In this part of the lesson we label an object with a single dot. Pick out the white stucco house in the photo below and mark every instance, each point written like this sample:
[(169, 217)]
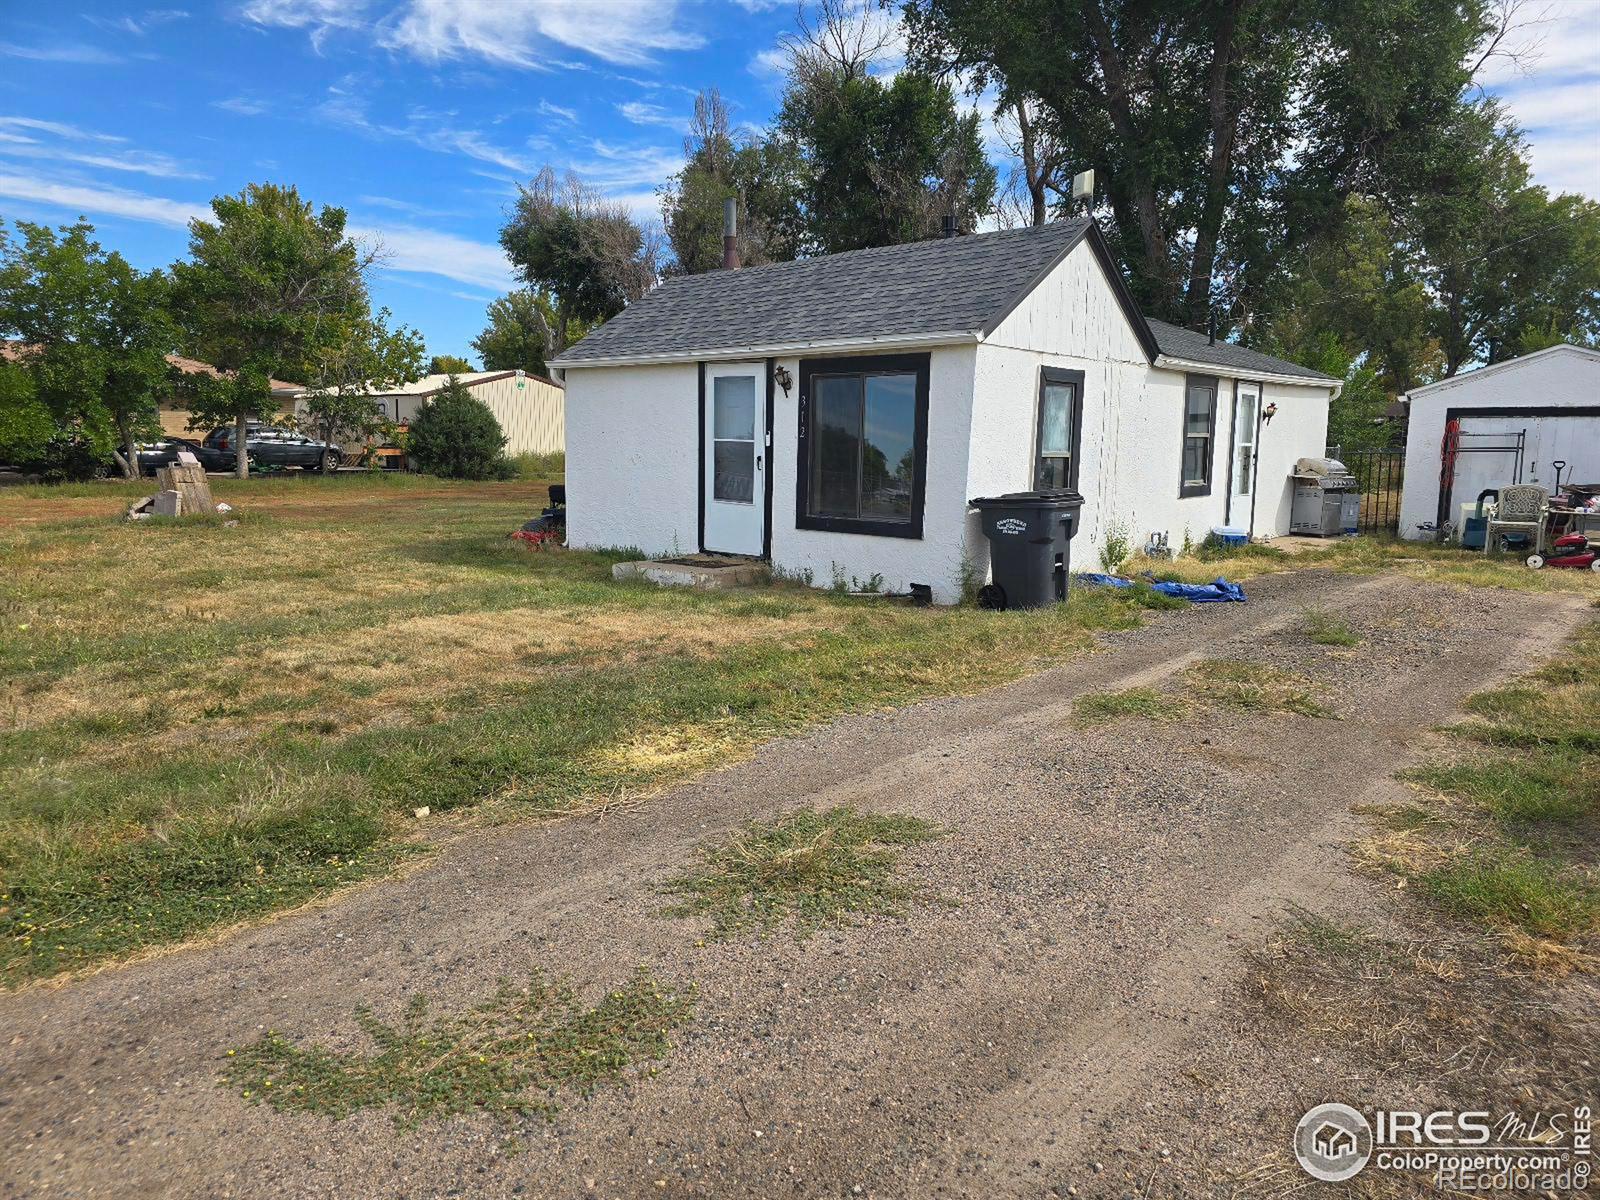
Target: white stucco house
[(835, 415), (1508, 423)]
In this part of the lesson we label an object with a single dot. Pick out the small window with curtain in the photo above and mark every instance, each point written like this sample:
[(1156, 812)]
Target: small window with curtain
[(1199, 428), (1060, 427), (863, 444)]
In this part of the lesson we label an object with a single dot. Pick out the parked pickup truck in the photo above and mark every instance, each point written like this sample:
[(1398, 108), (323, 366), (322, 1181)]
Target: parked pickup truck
[(270, 446)]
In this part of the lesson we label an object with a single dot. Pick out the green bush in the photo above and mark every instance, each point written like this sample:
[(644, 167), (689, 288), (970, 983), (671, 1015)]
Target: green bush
[(456, 437)]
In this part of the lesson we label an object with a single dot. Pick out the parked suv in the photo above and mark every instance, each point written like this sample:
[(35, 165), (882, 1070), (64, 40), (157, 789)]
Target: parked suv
[(270, 446)]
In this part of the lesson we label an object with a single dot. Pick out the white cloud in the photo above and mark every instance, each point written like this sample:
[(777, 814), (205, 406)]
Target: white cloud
[(431, 252), (59, 142), (320, 17), (406, 247), (141, 162), (618, 31), (642, 113), (1550, 84), (94, 200), (243, 105), (58, 128), (140, 25), (546, 109), (431, 130), (61, 52)]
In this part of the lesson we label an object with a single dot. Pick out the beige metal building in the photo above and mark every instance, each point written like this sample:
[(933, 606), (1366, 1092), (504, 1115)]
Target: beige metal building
[(530, 408)]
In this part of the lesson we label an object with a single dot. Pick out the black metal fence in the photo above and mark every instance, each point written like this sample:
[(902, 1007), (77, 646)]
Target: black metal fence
[(1381, 474)]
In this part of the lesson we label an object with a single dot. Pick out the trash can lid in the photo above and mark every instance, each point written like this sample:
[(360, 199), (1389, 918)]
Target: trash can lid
[(1043, 498)]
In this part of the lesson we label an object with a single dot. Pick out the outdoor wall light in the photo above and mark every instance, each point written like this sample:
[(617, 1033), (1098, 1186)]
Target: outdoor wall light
[(1268, 413), (781, 376)]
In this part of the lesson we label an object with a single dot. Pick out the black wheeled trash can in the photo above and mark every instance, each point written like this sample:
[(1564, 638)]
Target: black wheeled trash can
[(1028, 536)]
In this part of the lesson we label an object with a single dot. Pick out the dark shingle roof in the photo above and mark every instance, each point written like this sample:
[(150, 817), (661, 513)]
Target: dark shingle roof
[(1184, 343), (949, 285), (946, 286)]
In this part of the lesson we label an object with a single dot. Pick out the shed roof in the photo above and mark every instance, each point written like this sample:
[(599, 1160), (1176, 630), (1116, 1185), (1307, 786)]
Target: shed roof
[(945, 290), (429, 385)]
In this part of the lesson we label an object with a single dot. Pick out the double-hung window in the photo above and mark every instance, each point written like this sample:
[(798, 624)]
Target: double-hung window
[(1199, 430), (863, 444), (1060, 428)]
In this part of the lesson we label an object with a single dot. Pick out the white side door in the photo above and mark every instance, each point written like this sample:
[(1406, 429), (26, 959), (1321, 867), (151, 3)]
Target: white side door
[(734, 474), (1246, 414)]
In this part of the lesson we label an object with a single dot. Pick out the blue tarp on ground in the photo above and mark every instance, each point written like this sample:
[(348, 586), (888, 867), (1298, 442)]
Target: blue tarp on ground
[(1200, 593)]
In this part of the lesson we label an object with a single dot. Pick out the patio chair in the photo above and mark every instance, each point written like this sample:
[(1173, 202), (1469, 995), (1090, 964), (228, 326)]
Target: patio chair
[(1521, 513)]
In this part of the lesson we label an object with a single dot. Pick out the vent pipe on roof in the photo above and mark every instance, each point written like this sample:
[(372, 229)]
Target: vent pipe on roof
[(1212, 328), (730, 234), (949, 225)]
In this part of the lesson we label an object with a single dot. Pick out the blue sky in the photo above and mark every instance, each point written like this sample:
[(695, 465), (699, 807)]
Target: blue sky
[(420, 116)]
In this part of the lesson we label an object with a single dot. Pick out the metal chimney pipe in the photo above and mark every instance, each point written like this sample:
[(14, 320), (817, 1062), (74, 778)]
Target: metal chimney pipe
[(949, 225), (730, 234)]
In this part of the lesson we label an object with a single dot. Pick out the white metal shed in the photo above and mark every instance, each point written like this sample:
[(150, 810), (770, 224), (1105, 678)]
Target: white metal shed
[(1507, 423)]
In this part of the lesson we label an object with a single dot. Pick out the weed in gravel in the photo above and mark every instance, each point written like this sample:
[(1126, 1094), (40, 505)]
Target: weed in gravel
[(1099, 707), (819, 868), (1510, 888), (1255, 686), (1327, 629), (510, 1054)]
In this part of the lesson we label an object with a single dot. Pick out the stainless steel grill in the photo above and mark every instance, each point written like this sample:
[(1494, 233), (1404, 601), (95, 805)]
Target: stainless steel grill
[(1327, 498)]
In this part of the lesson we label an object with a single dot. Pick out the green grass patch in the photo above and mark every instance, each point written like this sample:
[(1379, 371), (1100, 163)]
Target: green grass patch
[(512, 1054), (816, 869), (1145, 596), (1327, 629), (1542, 786), (1255, 686), (1145, 703), (1508, 887)]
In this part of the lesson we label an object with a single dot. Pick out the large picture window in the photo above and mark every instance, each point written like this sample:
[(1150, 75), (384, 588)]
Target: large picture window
[(863, 444), (1199, 429), (1060, 428)]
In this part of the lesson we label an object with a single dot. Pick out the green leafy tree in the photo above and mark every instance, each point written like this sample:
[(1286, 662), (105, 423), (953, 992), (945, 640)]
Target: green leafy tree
[(586, 253), (449, 364), (455, 436), (761, 175), (1188, 112), (521, 333), (883, 163), (94, 334), (271, 284), (364, 359)]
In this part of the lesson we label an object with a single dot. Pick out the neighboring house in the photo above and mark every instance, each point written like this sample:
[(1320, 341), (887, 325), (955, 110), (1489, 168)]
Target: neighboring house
[(1507, 423), (175, 418), (835, 415), (528, 407)]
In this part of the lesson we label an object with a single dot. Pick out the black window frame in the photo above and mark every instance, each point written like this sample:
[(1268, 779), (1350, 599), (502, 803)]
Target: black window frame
[(1058, 376), (863, 365), (1185, 488)]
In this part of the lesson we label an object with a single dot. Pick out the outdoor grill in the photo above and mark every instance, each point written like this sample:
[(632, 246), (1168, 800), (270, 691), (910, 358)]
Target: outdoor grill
[(1327, 498)]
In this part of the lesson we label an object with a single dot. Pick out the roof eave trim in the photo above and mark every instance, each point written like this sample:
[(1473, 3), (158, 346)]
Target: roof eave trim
[(954, 337), (1174, 363), (1440, 385)]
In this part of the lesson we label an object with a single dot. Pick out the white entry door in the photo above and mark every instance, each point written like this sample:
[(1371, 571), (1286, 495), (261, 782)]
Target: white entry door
[(734, 474), (1246, 411)]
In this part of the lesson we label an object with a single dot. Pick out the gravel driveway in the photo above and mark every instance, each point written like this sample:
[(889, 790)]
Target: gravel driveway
[(1109, 881)]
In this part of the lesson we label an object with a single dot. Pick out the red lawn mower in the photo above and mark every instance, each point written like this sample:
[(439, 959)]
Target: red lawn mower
[(1573, 550)]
